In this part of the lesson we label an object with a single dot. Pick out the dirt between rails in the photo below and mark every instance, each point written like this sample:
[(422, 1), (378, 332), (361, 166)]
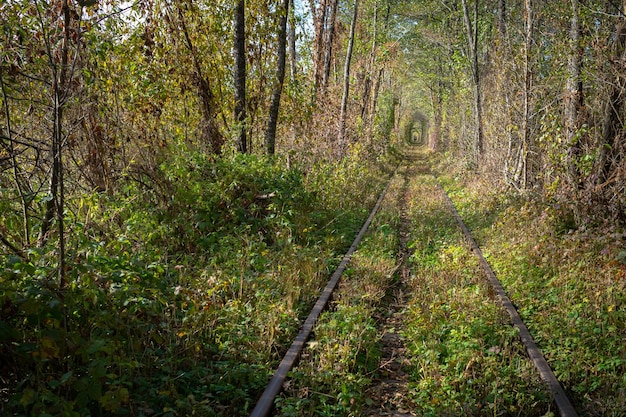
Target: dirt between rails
[(389, 391)]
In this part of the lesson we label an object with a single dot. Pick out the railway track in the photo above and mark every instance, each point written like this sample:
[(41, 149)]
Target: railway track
[(397, 380)]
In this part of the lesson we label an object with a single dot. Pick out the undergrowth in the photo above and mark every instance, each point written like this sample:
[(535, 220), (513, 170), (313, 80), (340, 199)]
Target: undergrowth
[(568, 283), (466, 358), (342, 357), (183, 289)]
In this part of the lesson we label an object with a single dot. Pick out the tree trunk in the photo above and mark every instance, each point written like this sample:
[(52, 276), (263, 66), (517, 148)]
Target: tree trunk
[(328, 44), (270, 133), (319, 22), (612, 129), (367, 89), (527, 142), (573, 97), (210, 130), (434, 136), (22, 186), (502, 19), (346, 83), (240, 75), (291, 39), (376, 90), (472, 42), (55, 206)]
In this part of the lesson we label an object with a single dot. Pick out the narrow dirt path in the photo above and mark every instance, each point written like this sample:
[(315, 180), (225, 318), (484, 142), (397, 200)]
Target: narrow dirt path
[(389, 391)]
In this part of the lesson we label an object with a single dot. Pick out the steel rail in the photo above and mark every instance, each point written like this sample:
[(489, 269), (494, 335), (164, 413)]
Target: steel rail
[(563, 404), (266, 401)]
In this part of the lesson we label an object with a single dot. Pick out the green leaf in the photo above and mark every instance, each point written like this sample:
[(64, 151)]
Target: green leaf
[(66, 377), (28, 397)]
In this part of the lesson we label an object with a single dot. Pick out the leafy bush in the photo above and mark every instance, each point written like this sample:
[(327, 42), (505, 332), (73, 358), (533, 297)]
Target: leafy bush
[(183, 288)]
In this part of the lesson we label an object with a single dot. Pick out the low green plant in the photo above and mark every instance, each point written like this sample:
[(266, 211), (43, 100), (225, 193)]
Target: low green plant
[(567, 283), (339, 362), (184, 287), (466, 359)]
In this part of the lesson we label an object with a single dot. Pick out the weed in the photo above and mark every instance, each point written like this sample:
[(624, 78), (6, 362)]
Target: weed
[(338, 364), (568, 285), (183, 290), (466, 358)]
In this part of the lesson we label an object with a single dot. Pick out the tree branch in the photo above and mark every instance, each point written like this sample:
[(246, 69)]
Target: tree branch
[(17, 251)]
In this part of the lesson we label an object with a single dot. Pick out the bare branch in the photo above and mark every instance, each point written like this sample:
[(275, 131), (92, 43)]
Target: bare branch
[(17, 251)]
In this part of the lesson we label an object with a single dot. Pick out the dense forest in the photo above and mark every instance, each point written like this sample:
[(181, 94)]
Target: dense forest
[(179, 177)]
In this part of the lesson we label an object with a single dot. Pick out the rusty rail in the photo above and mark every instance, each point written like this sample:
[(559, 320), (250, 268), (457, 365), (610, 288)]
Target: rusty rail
[(563, 404), (266, 402)]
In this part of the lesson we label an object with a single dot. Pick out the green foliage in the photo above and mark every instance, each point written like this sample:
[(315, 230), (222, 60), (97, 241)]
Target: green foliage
[(338, 363), (465, 356), (567, 284), (182, 289)]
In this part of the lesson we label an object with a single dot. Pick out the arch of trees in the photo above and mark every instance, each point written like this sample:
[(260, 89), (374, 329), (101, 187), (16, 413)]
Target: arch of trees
[(540, 88), (108, 109)]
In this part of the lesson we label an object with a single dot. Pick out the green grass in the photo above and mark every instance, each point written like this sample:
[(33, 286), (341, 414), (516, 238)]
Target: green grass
[(569, 287), (466, 358)]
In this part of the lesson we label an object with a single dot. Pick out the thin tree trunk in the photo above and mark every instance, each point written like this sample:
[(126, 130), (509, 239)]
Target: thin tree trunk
[(270, 133), (502, 19), (434, 136), (527, 142), (25, 188), (376, 90), (346, 82), (210, 130), (291, 39), (55, 206), (379, 77), (574, 96), (328, 47), (319, 23), (612, 129), (472, 41), (367, 93), (240, 75)]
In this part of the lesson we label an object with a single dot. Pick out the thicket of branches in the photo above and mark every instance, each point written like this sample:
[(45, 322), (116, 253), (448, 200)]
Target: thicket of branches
[(95, 91)]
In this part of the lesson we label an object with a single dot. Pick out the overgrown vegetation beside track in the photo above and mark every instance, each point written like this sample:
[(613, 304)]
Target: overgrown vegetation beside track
[(466, 358), (183, 294), (568, 283), (342, 357)]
